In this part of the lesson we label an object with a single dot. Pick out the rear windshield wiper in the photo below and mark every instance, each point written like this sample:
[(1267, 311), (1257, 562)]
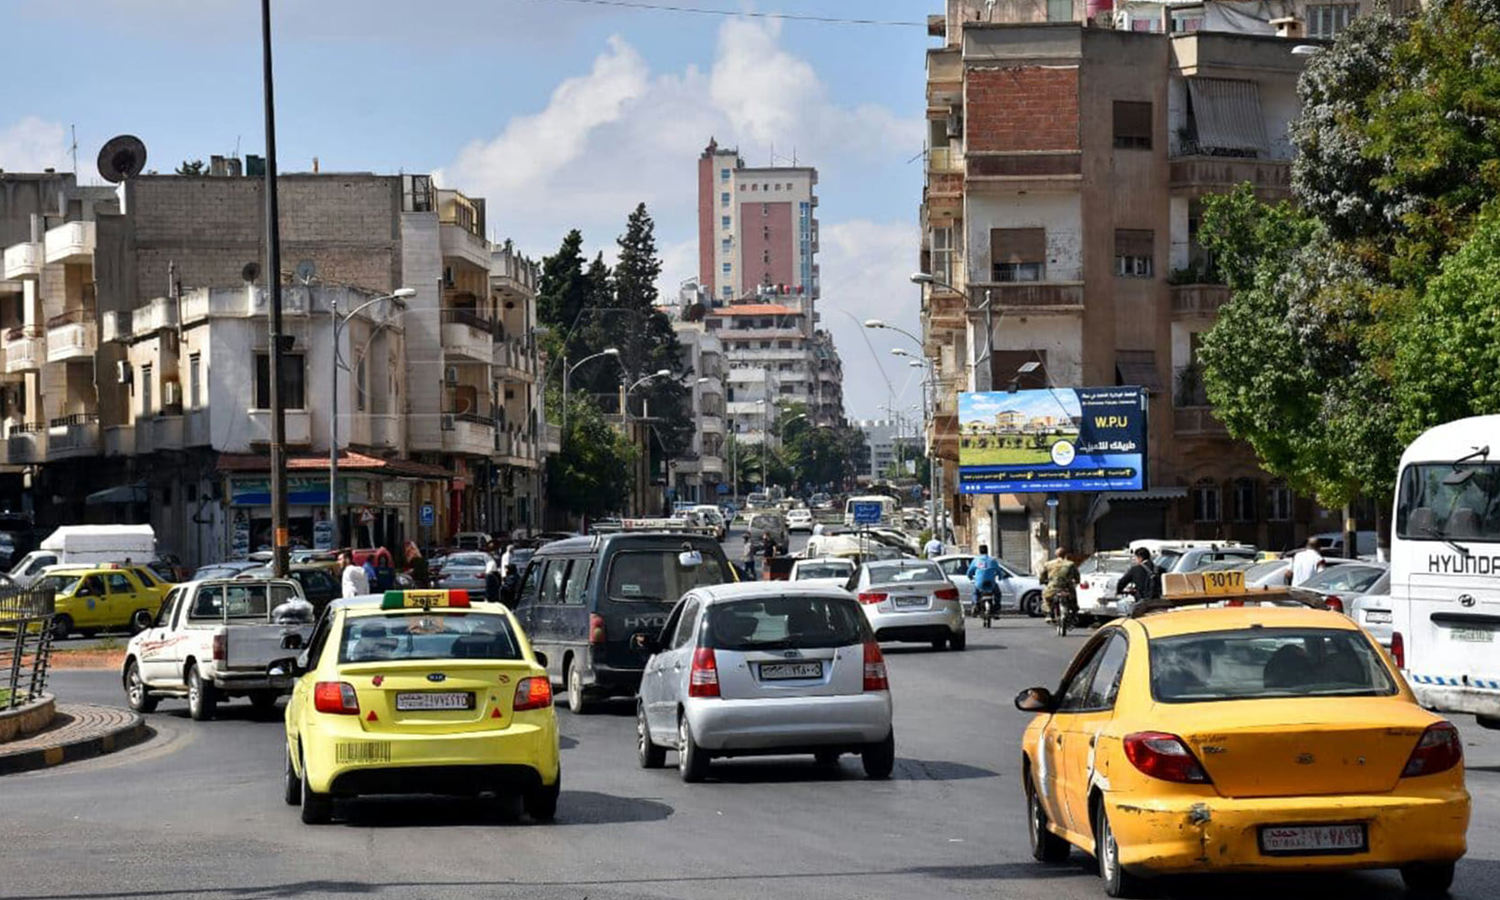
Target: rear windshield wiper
[(1433, 531)]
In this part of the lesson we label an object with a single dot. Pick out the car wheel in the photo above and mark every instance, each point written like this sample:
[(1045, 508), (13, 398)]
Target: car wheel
[(202, 697), (139, 698), (1430, 879), (880, 759), (959, 641), (1045, 846), (692, 762), (291, 782), (317, 808), (647, 754), (1117, 882), (940, 643), (1032, 604), (62, 626), (1489, 722), (264, 702), (579, 703), (541, 801), (140, 620)]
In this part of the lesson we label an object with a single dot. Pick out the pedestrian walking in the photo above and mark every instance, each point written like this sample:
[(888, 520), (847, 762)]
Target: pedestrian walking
[(352, 578), (492, 581), (416, 563), (510, 586), (933, 548), (1307, 563), (747, 557)]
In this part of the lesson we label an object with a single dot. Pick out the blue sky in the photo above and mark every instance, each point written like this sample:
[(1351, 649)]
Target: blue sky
[(560, 114)]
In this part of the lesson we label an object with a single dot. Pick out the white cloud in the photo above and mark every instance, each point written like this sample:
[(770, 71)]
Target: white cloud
[(32, 145)]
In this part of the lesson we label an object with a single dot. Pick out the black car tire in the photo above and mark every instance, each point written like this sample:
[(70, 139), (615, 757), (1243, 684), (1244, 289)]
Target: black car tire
[(649, 755), (62, 626), (1045, 846), (140, 620), (940, 643), (264, 702), (692, 762), (136, 694), (1429, 879), (541, 801), (879, 759), (291, 783), (317, 808), (203, 697), (579, 702), (959, 641)]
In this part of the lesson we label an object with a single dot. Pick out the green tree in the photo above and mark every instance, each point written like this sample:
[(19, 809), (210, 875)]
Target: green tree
[(591, 475), (190, 167)]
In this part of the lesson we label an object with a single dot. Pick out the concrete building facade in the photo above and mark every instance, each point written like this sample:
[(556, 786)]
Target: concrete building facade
[(697, 478)]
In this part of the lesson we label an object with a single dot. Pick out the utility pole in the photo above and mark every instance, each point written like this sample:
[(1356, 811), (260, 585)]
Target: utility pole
[(280, 540)]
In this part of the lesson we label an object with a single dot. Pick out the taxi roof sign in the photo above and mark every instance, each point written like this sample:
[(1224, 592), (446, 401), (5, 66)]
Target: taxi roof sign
[(424, 599)]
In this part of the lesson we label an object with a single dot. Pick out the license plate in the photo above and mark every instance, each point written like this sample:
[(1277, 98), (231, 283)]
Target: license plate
[(362, 752), (1309, 840), (908, 602), (781, 671), (429, 700), (1472, 635), (1378, 617)]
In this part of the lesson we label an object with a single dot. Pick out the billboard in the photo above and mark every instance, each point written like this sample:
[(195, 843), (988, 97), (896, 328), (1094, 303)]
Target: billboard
[(1055, 439)]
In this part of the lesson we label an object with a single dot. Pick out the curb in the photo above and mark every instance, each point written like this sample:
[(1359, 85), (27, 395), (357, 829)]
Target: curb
[(132, 732)]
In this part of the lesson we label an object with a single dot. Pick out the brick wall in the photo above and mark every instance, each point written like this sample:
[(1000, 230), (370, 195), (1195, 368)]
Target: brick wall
[(1021, 108)]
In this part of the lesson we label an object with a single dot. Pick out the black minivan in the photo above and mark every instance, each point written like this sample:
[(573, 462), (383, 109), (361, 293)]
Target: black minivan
[(590, 603)]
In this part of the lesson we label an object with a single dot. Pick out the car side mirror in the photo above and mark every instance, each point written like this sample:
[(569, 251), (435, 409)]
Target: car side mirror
[(690, 559), (541, 658), (292, 641), (1037, 699)]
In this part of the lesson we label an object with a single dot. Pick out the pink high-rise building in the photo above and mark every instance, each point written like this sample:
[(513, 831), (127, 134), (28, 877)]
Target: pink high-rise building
[(756, 227)]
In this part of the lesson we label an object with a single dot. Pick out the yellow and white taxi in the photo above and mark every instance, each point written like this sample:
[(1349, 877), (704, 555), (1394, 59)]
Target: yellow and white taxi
[(420, 692), (1254, 739)]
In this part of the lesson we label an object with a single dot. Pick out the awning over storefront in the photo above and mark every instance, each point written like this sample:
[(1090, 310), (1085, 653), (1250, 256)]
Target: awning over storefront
[(1227, 113), (1138, 367), (125, 493)]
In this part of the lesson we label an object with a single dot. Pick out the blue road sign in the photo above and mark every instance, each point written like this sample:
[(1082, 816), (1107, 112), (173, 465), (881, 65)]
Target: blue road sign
[(427, 516), (867, 513)]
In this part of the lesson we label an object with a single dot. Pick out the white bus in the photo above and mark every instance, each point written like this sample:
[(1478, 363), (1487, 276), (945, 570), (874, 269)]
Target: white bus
[(887, 508), (1445, 568)]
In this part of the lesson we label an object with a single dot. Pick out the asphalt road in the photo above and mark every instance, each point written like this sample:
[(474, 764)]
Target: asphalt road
[(197, 812)]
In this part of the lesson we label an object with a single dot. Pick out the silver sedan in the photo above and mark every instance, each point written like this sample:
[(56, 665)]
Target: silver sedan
[(465, 571), (910, 600), (760, 669)]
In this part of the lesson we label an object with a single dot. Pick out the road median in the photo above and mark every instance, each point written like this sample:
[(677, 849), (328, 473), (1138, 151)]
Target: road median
[(78, 731)]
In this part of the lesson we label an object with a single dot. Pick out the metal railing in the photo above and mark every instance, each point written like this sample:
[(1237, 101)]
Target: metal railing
[(25, 644)]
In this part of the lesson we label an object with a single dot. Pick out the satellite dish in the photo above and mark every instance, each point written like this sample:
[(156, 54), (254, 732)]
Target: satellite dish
[(306, 269), (694, 312), (122, 158), (250, 272)]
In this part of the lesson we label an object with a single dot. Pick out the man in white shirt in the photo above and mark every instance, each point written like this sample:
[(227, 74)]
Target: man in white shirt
[(1307, 563), (933, 548), (354, 581)]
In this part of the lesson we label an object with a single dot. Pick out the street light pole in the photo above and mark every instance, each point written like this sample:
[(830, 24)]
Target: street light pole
[(568, 374), (280, 539)]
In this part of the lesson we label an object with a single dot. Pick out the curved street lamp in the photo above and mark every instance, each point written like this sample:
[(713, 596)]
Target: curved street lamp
[(568, 374)]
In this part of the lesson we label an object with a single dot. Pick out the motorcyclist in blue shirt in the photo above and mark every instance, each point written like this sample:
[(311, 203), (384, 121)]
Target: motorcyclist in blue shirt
[(984, 571)]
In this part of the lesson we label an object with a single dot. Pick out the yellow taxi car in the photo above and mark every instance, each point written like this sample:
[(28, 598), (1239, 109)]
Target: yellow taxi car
[(420, 692), (95, 598), (1253, 739)]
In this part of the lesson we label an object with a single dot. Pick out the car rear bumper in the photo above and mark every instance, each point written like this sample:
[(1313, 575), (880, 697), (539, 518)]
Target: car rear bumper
[(786, 723), (612, 679), (918, 626), (1197, 834), (347, 760)]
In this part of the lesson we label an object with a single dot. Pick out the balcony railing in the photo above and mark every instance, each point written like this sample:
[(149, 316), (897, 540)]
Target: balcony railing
[(1272, 178), (72, 335), (23, 261), (73, 435), (1188, 388), (298, 426), (25, 349), (120, 440), (154, 316), (26, 443), (1023, 295), (70, 242), (1198, 300)]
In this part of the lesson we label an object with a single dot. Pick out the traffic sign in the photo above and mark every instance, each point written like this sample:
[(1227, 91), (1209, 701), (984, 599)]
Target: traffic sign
[(867, 512), (427, 516)]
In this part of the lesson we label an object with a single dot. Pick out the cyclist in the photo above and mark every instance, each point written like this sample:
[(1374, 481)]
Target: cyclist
[(984, 571), (1061, 575)]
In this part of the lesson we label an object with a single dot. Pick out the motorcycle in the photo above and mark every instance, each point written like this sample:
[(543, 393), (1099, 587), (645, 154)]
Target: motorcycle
[(987, 605), (1069, 613)]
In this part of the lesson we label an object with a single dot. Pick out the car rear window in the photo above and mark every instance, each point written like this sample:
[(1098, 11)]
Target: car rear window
[(467, 560), (640, 576), (1354, 579), (770, 523), (1109, 564), (1258, 663), (784, 623), (823, 570), (906, 574), (427, 635)]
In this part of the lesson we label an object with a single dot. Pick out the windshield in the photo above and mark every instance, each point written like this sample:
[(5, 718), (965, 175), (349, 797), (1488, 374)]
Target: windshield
[(1266, 662), (659, 576), (824, 570), (765, 523), (1441, 500), (905, 574), (784, 623), (427, 636), (1355, 579)]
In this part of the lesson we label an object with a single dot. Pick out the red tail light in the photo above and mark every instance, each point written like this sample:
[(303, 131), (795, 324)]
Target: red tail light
[(1164, 756), (1334, 602), (221, 647), (703, 680), (1438, 751), (596, 628), (947, 593), (336, 697), (533, 693), (1083, 585), (872, 597), (1398, 649), (875, 679)]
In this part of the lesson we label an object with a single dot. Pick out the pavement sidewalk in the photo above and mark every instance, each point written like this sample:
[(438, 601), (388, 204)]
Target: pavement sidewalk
[(78, 731)]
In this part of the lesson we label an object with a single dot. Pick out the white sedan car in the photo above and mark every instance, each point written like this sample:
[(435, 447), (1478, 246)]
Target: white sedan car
[(1018, 592), (799, 520), (910, 600), (822, 571)]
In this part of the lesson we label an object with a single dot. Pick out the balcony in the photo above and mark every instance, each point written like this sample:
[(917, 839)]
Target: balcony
[(1196, 420), (385, 431), (468, 433), (1033, 171), (457, 241), (514, 362), (710, 425), (1192, 301), (26, 444), (946, 310), (153, 317), (25, 349), (1194, 176), (72, 436), (197, 432), (120, 440), (1031, 296), (298, 427), (70, 243), (947, 160), (945, 79), (115, 326), (72, 335), (512, 275), (23, 261), (165, 432), (515, 448), (468, 335)]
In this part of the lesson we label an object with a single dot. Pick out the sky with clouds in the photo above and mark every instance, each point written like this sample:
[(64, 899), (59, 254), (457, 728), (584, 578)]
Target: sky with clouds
[(561, 114)]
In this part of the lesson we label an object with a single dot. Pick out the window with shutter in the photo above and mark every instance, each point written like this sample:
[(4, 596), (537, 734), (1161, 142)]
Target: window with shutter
[(1134, 252), (1018, 254), (1132, 124)]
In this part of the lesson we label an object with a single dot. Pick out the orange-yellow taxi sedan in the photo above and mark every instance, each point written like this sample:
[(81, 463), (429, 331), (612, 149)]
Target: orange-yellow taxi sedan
[(1256, 739), (420, 692)]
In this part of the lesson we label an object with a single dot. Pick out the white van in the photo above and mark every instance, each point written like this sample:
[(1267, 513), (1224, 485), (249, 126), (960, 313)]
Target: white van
[(887, 508), (1445, 568)]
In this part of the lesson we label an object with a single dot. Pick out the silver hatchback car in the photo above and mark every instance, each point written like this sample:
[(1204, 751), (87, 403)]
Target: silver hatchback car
[(765, 669), (910, 600)]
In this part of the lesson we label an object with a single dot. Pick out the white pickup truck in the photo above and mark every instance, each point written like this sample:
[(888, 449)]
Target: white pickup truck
[(216, 639)]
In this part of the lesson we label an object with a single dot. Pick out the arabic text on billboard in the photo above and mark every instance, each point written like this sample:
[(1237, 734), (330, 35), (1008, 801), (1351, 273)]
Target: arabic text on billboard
[(1061, 439)]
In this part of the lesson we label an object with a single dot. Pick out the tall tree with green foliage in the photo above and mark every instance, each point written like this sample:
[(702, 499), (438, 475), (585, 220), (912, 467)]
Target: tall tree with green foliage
[(591, 474)]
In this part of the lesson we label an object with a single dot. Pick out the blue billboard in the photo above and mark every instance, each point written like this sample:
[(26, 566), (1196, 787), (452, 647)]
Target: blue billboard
[(1054, 439)]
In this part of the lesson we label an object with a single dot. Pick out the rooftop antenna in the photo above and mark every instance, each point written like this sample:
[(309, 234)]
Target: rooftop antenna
[(74, 149)]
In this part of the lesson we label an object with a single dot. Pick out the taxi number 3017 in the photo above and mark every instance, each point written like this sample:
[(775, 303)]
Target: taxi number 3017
[(1223, 582)]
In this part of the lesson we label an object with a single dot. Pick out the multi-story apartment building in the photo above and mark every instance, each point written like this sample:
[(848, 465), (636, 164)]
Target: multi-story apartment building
[(780, 337), (1065, 174), (138, 354), (697, 477), (757, 227)]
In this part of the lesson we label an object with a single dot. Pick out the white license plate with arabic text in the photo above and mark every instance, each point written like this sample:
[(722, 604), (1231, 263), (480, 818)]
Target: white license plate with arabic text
[(780, 671), (1313, 839), (1472, 635), (428, 700), (908, 602)]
